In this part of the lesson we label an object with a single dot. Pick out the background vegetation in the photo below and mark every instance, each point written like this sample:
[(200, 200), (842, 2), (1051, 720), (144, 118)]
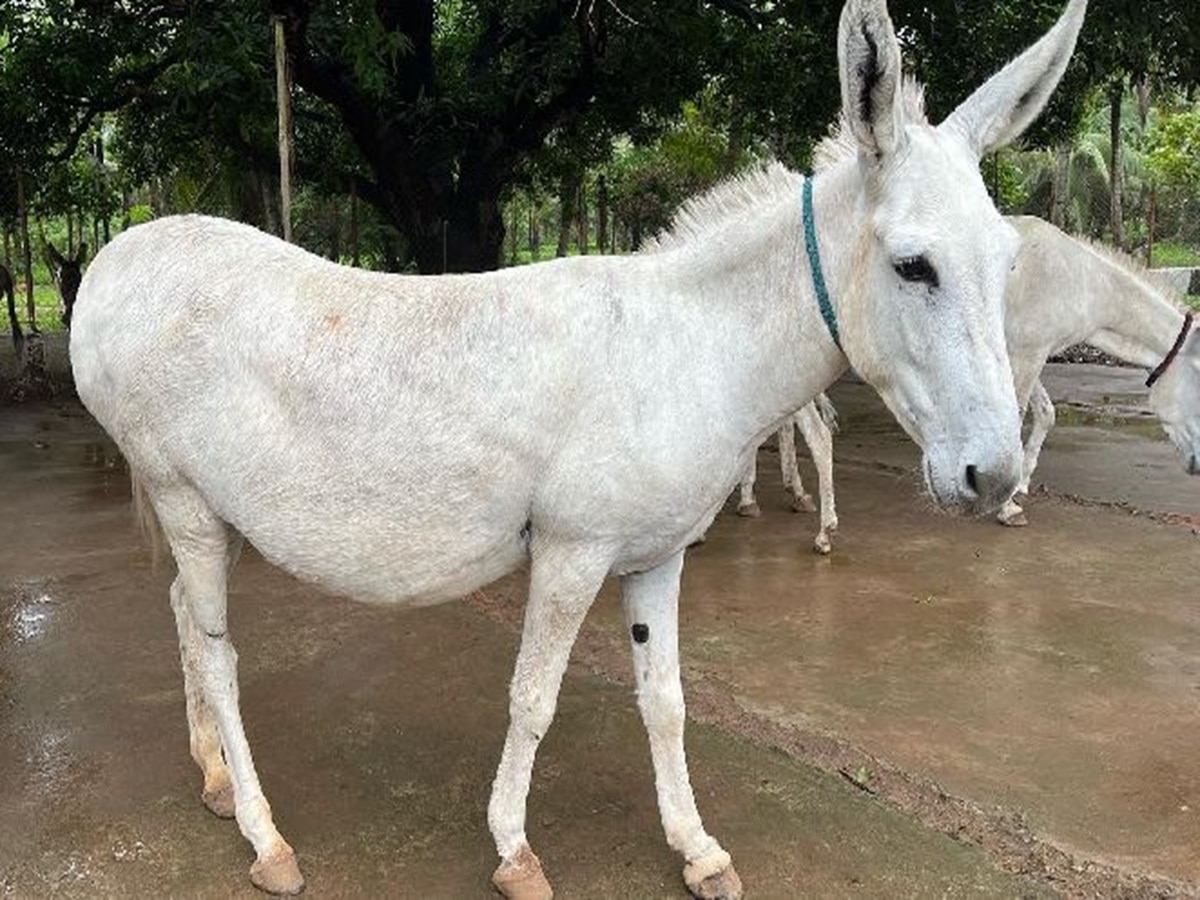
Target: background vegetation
[(449, 135)]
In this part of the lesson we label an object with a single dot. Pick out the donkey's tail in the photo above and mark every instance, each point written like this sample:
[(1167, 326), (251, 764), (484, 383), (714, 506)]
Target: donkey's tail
[(828, 413), (147, 518)]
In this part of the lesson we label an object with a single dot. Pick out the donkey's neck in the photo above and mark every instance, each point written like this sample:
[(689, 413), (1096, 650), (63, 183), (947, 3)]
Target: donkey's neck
[(1133, 319), (780, 353)]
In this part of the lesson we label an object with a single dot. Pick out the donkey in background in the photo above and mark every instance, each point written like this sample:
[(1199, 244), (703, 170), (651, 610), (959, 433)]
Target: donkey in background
[(1063, 291), (14, 323), (68, 274)]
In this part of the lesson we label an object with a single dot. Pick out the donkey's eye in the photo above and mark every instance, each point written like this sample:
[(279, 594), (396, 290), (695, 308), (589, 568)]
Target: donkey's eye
[(917, 269)]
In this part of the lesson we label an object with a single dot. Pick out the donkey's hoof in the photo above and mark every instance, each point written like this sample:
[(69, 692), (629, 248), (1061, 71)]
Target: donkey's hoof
[(822, 545), (522, 878), (802, 503), (220, 802), (723, 885), (749, 511), (1013, 519), (278, 874)]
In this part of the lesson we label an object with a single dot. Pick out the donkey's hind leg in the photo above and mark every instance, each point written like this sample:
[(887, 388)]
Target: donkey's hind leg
[(204, 739), (202, 545), (747, 505), (802, 501)]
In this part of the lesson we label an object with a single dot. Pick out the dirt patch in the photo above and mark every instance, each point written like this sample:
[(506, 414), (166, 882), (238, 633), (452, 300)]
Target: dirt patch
[(1005, 837)]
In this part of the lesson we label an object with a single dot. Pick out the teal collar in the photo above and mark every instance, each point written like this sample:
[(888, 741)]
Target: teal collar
[(814, 264)]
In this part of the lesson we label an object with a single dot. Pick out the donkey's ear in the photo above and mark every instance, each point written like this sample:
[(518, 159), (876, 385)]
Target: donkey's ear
[(81, 254), (1011, 99), (55, 256), (869, 63)]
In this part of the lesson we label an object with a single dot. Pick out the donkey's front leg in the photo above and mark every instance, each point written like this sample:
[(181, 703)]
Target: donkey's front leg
[(1041, 410), (651, 611), (819, 438), (562, 585), (1042, 415)]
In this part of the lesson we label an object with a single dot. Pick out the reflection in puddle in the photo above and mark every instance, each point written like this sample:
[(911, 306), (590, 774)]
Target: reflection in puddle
[(31, 616), (30, 622), (103, 456)]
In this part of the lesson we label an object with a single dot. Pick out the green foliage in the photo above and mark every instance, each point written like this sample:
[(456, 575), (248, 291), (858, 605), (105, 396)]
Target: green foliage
[(435, 112), (139, 214), (1173, 149), (1169, 254), (695, 152), (1005, 181)]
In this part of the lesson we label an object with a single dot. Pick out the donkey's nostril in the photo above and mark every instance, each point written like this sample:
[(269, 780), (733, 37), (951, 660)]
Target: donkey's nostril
[(973, 480)]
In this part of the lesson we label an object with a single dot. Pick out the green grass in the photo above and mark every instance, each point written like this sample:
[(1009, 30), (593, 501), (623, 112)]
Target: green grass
[(1193, 301), (47, 304), (1168, 254)]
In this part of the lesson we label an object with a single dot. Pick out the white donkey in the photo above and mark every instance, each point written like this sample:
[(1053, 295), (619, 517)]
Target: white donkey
[(1063, 291), (405, 439)]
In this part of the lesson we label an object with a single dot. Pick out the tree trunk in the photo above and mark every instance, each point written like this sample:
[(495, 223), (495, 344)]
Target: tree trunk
[(1151, 224), (1060, 186), (1142, 89), (26, 252), (535, 232), (567, 196), (269, 208), (471, 239), (283, 99), (602, 213), (104, 212), (355, 260), (581, 220), (335, 229), (7, 249), (512, 237), (1116, 178)]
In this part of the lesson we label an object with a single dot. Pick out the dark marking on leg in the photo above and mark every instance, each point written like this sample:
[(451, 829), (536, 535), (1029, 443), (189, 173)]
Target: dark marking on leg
[(526, 530), (216, 635), (641, 633)]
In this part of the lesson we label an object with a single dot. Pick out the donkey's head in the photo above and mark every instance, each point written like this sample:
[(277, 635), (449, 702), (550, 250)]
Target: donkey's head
[(69, 275), (924, 325), (1175, 398)]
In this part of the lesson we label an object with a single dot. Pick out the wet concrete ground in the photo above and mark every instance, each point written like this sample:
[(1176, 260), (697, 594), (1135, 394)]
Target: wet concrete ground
[(959, 667)]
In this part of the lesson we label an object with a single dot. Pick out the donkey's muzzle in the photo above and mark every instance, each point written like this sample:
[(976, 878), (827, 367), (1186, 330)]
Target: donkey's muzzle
[(985, 487)]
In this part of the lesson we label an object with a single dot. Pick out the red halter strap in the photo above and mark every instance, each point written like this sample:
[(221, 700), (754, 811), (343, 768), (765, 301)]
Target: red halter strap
[(1170, 357)]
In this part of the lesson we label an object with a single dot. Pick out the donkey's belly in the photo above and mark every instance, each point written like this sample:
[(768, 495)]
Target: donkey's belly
[(389, 509), (379, 551)]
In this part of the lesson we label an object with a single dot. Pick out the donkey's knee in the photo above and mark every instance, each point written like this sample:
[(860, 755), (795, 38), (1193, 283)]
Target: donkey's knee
[(662, 707)]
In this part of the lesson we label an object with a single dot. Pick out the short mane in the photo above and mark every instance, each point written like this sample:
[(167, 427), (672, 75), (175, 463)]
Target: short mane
[(1134, 267), (728, 201)]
